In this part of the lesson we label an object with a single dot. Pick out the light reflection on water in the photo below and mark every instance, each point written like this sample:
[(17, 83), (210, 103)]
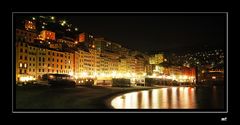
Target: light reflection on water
[(167, 98)]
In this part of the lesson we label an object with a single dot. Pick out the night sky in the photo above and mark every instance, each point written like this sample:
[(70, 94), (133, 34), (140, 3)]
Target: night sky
[(157, 32)]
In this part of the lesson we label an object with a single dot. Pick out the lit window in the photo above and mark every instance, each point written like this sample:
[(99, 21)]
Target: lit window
[(25, 65), (20, 65)]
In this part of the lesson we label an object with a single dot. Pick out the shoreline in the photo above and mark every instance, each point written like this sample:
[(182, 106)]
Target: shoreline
[(80, 98), (108, 99)]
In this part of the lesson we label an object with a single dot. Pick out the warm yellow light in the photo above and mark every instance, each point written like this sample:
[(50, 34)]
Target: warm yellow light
[(26, 78), (51, 76), (52, 17), (154, 74), (71, 73), (213, 77), (20, 65)]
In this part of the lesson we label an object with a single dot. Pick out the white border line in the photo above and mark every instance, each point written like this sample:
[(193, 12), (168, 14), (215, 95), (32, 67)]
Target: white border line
[(227, 60), (118, 110)]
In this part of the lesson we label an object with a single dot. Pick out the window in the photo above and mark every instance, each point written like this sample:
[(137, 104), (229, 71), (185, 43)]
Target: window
[(20, 71), (39, 64), (39, 70), (48, 53), (48, 70), (53, 70), (42, 70), (68, 67), (53, 53), (61, 66), (57, 65), (20, 65), (61, 60), (30, 48), (57, 54), (29, 69), (33, 59), (52, 65), (52, 59), (20, 57), (30, 58), (48, 59), (30, 64), (25, 45), (48, 65), (25, 57), (25, 71), (57, 71), (39, 58), (25, 50), (33, 70), (21, 50), (43, 59), (57, 60)]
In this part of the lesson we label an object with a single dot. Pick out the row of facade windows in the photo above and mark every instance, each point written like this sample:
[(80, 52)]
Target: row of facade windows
[(24, 33), (24, 65), (41, 70)]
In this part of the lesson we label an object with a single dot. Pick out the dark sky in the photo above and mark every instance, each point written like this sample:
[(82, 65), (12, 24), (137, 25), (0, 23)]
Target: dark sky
[(151, 32)]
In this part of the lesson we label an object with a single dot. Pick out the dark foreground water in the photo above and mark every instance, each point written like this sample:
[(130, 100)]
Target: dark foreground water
[(173, 98)]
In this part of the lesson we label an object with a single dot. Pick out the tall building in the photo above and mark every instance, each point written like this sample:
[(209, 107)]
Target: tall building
[(33, 62)]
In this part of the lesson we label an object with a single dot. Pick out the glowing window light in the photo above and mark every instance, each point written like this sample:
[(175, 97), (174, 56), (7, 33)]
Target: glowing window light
[(25, 65), (20, 65), (213, 77)]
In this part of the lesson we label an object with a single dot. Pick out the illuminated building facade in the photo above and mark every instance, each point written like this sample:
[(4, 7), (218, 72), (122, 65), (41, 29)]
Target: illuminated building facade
[(32, 61), (47, 35), (68, 41), (25, 36), (30, 25), (156, 59)]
